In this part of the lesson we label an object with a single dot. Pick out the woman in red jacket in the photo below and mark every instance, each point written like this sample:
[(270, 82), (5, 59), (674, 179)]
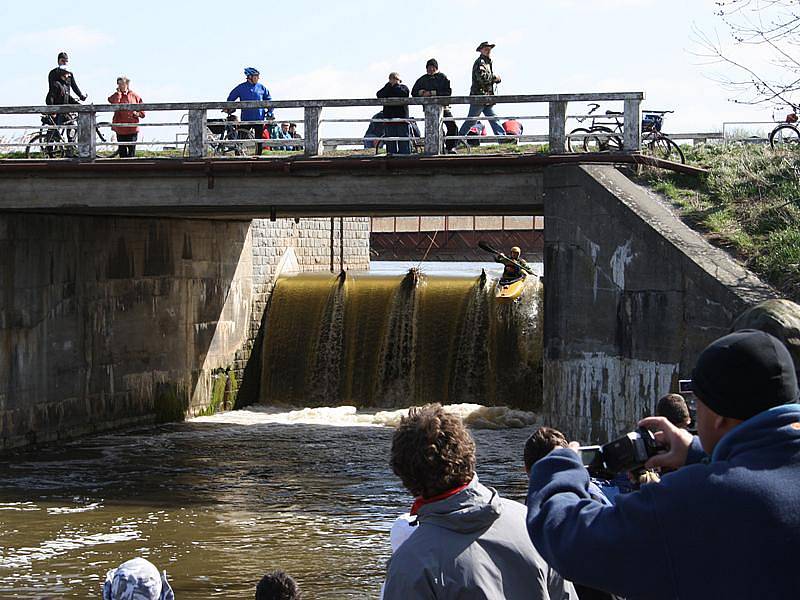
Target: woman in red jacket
[(124, 95)]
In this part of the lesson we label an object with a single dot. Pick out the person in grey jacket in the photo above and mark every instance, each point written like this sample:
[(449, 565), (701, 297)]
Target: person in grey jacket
[(470, 543)]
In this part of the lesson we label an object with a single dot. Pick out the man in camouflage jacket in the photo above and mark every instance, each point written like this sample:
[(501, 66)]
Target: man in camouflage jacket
[(483, 80)]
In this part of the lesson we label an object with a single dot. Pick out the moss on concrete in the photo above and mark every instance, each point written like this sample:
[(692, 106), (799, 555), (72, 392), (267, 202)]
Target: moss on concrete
[(170, 404), (218, 396)]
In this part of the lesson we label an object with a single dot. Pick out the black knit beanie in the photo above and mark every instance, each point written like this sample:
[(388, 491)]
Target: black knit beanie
[(745, 373)]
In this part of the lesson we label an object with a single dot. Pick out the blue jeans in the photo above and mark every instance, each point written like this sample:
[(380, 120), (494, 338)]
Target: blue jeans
[(474, 111)]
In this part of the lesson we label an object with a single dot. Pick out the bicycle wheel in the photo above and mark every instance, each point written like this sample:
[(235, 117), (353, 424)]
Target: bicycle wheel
[(660, 146), (784, 136), (576, 144), (248, 146), (604, 143), (37, 147)]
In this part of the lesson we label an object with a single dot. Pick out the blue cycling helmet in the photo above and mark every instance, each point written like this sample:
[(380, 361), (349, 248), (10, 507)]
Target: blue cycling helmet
[(249, 71)]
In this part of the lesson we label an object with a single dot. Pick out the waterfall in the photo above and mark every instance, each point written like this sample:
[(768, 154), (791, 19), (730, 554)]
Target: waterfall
[(378, 341)]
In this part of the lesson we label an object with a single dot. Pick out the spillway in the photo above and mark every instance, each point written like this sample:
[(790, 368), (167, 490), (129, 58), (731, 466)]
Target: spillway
[(386, 341)]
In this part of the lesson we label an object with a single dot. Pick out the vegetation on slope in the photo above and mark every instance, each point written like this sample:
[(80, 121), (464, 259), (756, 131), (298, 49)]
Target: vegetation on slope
[(749, 204)]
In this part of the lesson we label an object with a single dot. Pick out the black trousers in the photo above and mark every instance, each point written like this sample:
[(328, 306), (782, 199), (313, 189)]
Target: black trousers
[(258, 131), (127, 151), (449, 128)]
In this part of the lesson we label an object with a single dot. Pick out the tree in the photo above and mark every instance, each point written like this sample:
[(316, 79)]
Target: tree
[(759, 49)]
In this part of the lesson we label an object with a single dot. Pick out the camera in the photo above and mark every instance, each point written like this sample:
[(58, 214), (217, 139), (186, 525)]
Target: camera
[(627, 453)]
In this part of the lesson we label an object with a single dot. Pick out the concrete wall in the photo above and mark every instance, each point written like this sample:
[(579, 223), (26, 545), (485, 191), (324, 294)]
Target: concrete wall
[(110, 321), (632, 295)]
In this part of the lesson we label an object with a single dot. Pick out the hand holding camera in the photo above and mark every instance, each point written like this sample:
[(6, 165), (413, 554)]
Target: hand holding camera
[(674, 440)]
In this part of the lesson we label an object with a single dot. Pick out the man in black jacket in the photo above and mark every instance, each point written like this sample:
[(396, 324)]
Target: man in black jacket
[(55, 75), (434, 83), (483, 81), (394, 88)]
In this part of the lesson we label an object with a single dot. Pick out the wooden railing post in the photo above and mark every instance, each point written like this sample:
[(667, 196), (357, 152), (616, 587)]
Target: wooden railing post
[(311, 115), (197, 133), (87, 145), (433, 129), (558, 123), (632, 126)]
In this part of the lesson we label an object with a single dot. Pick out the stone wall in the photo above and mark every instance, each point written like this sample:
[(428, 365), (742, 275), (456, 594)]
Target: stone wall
[(106, 322), (632, 295), (285, 246)]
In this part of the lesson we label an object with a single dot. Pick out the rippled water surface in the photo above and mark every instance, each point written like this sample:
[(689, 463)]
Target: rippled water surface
[(217, 502)]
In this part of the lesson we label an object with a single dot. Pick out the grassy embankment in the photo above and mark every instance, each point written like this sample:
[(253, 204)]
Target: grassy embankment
[(749, 204)]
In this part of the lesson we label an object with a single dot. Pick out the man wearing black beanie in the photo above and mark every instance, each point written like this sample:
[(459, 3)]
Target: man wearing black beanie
[(725, 524)]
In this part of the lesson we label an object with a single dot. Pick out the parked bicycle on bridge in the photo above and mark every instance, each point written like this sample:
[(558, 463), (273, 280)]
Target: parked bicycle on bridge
[(786, 133), (58, 140), (604, 134)]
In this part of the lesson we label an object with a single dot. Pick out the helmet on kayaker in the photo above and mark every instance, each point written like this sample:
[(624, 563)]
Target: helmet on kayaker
[(516, 249), (250, 71)]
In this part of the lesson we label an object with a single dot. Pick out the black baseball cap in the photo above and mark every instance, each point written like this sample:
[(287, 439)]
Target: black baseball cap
[(63, 55), (484, 45), (745, 373)]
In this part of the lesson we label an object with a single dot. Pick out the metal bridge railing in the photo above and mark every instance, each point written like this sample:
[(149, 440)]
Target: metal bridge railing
[(433, 138)]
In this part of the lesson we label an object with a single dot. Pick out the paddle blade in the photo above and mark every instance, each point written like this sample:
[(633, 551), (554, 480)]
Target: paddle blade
[(484, 246)]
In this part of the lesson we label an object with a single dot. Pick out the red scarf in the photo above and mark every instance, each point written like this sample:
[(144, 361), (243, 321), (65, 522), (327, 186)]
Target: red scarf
[(419, 501)]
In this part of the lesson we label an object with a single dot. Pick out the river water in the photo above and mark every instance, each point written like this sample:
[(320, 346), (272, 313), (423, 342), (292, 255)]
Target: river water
[(218, 501)]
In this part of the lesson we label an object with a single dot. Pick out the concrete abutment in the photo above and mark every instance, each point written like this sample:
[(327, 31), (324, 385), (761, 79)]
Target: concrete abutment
[(112, 321)]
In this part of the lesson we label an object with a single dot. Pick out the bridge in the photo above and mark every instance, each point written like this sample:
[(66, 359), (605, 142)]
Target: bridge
[(129, 285)]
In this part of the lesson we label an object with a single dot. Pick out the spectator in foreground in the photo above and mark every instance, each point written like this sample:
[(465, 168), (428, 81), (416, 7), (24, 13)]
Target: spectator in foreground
[(277, 586), (483, 82), (674, 409), (543, 441), (434, 83), (469, 542), (55, 74), (728, 528), (137, 579), (124, 95), (248, 90), (394, 88)]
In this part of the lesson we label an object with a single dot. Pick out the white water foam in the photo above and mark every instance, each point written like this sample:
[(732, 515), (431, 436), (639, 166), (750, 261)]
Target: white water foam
[(473, 415)]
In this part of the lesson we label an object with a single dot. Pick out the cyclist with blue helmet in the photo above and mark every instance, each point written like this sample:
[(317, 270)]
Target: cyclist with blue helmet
[(252, 90)]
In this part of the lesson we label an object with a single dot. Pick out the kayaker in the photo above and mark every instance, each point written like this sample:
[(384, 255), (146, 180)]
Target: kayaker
[(516, 266)]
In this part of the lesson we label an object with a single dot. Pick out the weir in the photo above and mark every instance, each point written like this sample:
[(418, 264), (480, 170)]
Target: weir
[(393, 341)]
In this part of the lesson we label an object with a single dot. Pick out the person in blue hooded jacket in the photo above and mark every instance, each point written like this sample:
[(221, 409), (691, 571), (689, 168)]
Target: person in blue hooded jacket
[(248, 90), (725, 524)]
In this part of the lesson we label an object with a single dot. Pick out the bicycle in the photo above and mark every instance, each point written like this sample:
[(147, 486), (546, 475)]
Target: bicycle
[(654, 142), (786, 134), (58, 140)]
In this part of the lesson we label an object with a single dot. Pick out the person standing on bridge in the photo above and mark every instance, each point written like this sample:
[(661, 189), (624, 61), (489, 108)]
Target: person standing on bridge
[(434, 83), (394, 88), (126, 135), (250, 90), (54, 76), (483, 82)]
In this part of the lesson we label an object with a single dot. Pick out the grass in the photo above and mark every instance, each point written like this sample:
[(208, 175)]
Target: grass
[(749, 204)]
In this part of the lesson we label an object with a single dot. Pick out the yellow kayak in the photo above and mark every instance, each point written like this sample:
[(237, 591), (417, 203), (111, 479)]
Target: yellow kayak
[(509, 291)]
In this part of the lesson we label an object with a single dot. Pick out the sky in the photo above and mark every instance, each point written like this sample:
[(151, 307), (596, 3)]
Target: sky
[(185, 51)]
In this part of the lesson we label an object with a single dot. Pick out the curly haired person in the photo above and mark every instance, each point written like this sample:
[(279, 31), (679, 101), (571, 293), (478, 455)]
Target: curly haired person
[(469, 542)]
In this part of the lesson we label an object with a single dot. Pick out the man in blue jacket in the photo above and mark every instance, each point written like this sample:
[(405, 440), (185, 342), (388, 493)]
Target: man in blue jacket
[(251, 89), (725, 524)]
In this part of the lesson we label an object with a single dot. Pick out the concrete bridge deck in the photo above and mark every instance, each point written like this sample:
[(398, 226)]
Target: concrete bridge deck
[(253, 188)]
